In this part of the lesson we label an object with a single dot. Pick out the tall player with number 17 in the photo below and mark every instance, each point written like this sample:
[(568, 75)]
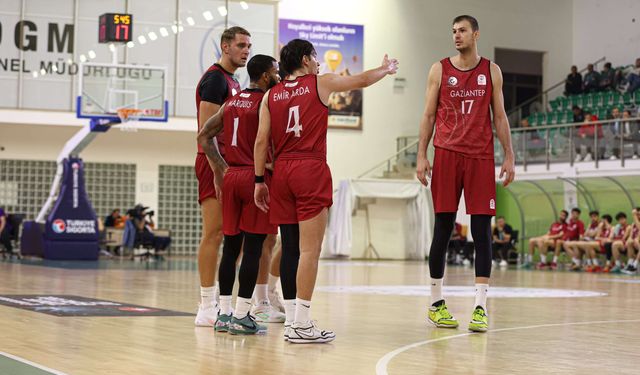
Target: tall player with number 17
[(294, 116)]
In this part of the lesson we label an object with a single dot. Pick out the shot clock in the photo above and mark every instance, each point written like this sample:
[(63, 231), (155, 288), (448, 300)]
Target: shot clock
[(115, 27)]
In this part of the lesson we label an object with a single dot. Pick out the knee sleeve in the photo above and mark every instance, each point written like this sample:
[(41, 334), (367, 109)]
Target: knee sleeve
[(481, 231), (227, 271), (441, 235), (250, 263), (289, 259)]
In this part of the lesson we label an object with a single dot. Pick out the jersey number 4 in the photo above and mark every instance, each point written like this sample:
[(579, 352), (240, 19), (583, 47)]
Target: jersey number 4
[(468, 106), (294, 118)]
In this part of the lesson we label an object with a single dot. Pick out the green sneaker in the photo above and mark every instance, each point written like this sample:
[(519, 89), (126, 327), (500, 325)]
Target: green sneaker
[(439, 316), (616, 269), (245, 326), (222, 323), (479, 320), (526, 266)]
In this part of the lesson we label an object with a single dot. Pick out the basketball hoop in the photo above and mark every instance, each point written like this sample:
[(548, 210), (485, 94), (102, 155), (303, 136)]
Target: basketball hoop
[(128, 116)]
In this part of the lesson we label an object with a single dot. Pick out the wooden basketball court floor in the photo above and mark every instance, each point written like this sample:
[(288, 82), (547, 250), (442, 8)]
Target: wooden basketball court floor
[(541, 323)]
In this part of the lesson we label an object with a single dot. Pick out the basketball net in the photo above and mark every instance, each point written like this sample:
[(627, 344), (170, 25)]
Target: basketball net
[(128, 118)]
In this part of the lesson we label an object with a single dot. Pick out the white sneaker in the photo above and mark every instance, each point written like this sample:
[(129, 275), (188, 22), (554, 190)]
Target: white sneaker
[(308, 333), (276, 301), (503, 263), (613, 157), (578, 158), (265, 313), (207, 316), (634, 157), (588, 157), (287, 330), (466, 262)]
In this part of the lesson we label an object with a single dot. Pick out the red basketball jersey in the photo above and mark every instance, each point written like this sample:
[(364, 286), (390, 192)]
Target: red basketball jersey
[(556, 228), (241, 126), (463, 118), (298, 119), (233, 87)]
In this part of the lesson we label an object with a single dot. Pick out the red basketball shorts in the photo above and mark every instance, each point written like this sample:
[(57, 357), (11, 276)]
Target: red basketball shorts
[(300, 190), (239, 210), (204, 173), (452, 173)]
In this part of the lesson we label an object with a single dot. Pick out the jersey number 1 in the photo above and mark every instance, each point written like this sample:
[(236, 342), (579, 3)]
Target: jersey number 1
[(468, 108), (234, 140), (294, 114)]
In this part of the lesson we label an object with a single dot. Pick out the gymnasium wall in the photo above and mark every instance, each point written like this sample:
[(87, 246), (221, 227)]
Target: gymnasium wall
[(606, 28)]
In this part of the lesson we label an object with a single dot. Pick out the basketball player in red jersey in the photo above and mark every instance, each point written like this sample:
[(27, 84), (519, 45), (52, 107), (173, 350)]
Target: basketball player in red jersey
[(242, 220), (294, 116), (462, 92), (216, 85)]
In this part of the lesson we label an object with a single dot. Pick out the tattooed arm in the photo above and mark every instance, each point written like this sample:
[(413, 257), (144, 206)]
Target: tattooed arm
[(207, 140)]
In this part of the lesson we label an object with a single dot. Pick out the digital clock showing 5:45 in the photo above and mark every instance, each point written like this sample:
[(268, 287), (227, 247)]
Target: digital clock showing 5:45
[(115, 27)]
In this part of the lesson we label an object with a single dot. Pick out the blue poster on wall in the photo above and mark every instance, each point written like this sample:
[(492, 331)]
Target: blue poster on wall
[(340, 50)]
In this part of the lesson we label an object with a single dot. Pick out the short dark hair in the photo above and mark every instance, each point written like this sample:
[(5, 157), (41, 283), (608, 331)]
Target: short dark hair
[(258, 65), (565, 212), (621, 215), (291, 54), (607, 218), (230, 34), (576, 210), (594, 212), (466, 17), (607, 65), (500, 217)]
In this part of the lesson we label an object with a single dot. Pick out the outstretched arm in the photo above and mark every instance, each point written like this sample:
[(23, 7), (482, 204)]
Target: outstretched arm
[(423, 168), (502, 126), (328, 83)]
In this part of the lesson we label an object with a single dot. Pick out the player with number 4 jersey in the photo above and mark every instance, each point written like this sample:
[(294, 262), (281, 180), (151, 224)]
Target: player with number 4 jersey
[(294, 116)]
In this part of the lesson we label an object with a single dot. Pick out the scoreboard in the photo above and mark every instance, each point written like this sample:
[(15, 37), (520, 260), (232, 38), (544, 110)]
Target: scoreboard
[(115, 27)]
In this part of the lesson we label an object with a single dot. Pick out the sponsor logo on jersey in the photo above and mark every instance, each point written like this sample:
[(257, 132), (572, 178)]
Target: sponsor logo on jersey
[(245, 95), (233, 92), (482, 80), (452, 81), (492, 204), (291, 84), (58, 226)]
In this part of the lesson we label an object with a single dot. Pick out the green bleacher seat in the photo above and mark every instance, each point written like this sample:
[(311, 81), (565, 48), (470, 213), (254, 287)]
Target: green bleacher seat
[(602, 113), (626, 98), (607, 98), (589, 100), (552, 117), (555, 104), (597, 99), (564, 103)]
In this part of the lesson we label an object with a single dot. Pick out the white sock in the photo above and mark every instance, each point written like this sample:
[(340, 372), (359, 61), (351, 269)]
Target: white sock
[(481, 295), (243, 305), (261, 293), (529, 258), (629, 261), (290, 310), (595, 262), (216, 292), (303, 311), (543, 258), (273, 282), (635, 263), (588, 261), (225, 305), (207, 296), (576, 261), (436, 290), (618, 263), (555, 259)]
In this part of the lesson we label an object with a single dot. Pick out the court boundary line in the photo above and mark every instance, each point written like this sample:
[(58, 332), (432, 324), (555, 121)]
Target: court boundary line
[(383, 362), (32, 364)]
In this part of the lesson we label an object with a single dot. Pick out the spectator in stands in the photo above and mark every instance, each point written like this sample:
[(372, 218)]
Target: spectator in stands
[(633, 79), (502, 240), (607, 78), (5, 230), (114, 220), (578, 114), (591, 81), (573, 84), (456, 244), (586, 135), (542, 243), (630, 131), (633, 243), (611, 132), (618, 237), (585, 246)]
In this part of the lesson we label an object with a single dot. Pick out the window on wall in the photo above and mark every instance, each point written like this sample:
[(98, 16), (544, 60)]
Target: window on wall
[(181, 35), (178, 208), (522, 76), (25, 185)]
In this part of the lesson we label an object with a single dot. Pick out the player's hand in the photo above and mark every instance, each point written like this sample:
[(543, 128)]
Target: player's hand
[(389, 65), (508, 169), (269, 166), (218, 181), (423, 170), (261, 197)]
